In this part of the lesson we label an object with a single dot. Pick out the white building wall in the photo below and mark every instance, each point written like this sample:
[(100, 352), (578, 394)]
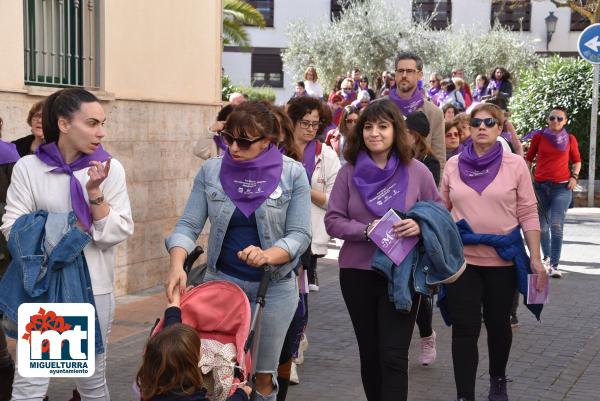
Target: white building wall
[(465, 13)]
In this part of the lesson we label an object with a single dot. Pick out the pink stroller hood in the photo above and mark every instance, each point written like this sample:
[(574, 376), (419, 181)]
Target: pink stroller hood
[(218, 310)]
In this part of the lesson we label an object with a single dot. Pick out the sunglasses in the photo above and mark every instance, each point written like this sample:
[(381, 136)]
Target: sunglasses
[(433, 80), (242, 143), (488, 122), (557, 118), (452, 135)]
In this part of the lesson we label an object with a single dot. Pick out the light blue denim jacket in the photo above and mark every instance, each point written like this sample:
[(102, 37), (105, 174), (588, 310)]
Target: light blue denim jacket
[(283, 222)]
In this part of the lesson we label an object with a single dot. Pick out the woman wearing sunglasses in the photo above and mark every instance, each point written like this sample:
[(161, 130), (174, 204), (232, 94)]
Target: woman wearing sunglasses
[(257, 201), (554, 149), (337, 138), (491, 191)]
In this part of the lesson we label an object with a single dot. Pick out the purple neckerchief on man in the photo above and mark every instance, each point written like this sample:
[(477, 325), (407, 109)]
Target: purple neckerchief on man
[(50, 155), (560, 140), (249, 183), (476, 171), (409, 105), (381, 189)]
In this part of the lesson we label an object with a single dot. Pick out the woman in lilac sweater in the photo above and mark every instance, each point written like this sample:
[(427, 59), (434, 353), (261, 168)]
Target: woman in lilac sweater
[(380, 174)]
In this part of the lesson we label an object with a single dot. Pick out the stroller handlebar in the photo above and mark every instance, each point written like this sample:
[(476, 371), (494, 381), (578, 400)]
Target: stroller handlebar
[(264, 284), (191, 258)]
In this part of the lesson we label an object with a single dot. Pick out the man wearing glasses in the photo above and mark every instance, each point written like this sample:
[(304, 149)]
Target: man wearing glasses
[(408, 98)]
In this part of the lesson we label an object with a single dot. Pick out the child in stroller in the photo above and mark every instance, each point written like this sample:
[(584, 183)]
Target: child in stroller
[(169, 370)]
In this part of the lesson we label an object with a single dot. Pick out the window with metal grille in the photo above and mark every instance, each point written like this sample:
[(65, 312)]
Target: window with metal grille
[(512, 14), (266, 8), (62, 43), (336, 10), (267, 67), (438, 12), (578, 21)]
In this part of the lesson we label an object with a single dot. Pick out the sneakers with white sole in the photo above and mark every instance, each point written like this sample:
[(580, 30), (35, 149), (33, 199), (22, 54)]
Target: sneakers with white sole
[(294, 379), (555, 273), (428, 352), (303, 346)]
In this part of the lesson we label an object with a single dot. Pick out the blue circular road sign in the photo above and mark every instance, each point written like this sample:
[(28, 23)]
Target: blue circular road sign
[(589, 44)]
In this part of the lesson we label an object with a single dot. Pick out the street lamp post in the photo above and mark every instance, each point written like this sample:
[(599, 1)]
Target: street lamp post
[(550, 27)]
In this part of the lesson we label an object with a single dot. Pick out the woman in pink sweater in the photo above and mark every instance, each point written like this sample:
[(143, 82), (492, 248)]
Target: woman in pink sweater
[(493, 192)]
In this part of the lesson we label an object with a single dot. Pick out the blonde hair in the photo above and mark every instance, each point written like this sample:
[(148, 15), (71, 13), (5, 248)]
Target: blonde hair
[(458, 82), (314, 71)]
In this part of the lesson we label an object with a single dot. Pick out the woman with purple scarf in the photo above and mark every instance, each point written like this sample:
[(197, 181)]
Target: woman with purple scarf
[(491, 191), (380, 174), (258, 204), (72, 172), (500, 85), (553, 149)]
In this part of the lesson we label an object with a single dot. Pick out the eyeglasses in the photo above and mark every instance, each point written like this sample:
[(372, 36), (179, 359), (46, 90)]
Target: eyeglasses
[(433, 80), (351, 120), (309, 124), (557, 118), (37, 116), (488, 122), (402, 71), (242, 143), (452, 135)]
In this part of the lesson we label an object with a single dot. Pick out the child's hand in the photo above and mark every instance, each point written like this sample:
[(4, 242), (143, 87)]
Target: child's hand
[(175, 298), (247, 390)]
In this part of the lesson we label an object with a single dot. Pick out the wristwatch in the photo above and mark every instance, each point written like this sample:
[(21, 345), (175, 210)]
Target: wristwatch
[(98, 201)]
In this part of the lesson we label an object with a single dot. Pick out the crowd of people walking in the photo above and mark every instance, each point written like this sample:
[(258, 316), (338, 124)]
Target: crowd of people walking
[(435, 169)]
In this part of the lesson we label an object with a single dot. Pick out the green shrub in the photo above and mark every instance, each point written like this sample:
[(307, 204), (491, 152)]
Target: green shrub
[(257, 93), (227, 87), (556, 81)]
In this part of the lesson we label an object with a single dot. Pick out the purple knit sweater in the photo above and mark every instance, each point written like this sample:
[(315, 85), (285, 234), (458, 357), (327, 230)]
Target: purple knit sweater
[(347, 216)]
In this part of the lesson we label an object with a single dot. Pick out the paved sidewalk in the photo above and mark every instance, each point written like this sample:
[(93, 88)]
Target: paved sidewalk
[(557, 359)]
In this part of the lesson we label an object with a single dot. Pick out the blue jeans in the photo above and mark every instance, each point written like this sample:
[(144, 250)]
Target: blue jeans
[(281, 302), (554, 201)]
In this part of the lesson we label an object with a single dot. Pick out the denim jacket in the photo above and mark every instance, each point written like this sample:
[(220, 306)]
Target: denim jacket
[(47, 266), (283, 222), (437, 259)]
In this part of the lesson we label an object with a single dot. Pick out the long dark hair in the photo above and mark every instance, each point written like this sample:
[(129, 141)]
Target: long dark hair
[(287, 128), (170, 363), (298, 107), (63, 103), (386, 110), (253, 118)]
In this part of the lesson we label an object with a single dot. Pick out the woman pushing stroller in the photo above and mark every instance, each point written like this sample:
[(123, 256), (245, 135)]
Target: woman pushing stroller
[(258, 204)]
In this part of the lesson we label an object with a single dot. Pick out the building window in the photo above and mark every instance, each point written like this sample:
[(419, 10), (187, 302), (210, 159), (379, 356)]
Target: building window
[(267, 67), (438, 12), (62, 43), (336, 10), (578, 21), (512, 14), (266, 8)]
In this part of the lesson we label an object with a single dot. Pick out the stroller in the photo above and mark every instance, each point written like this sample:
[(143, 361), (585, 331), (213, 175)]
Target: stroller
[(219, 311)]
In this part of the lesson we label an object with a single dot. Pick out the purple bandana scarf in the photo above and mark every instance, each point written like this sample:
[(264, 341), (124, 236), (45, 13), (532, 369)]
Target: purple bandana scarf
[(560, 140), (432, 92), (50, 155), (381, 189), (249, 183), (220, 142), (478, 172), (8, 153), (309, 158), (494, 85), (409, 105)]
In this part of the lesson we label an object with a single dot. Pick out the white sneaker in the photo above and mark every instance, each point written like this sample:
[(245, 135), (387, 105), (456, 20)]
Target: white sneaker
[(555, 273), (428, 351), (303, 346), (294, 379)]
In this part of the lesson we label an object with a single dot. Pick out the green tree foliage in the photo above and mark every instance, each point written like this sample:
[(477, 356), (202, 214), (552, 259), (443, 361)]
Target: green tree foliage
[(253, 93), (369, 34), (237, 14), (556, 81)]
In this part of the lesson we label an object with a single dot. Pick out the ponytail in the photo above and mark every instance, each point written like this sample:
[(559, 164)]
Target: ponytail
[(63, 103)]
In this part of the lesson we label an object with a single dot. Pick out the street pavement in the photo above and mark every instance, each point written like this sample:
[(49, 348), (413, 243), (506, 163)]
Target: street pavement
[(557, 359)]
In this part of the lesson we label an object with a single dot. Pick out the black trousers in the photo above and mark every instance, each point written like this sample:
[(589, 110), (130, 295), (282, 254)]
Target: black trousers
[(383, 334), (425, 316), (494, 288)]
